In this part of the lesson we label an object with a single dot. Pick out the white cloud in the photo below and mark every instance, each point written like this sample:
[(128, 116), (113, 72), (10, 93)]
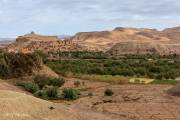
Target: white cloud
[(70, 16)]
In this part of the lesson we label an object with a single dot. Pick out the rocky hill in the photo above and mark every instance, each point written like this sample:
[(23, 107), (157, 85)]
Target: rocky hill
[(34, 42), (132, 41), (116, 42)]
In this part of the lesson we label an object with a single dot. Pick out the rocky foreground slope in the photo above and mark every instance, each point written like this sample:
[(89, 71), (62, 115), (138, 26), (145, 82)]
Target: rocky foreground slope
[(19, 106), (116, 42)]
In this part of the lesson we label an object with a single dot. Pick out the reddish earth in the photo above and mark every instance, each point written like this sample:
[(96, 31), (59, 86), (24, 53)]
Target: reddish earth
[(119, 41), (129, 102), (8, 86)]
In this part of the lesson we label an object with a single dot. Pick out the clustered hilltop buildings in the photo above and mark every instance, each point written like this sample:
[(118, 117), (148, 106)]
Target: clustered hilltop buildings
[(33, 42)]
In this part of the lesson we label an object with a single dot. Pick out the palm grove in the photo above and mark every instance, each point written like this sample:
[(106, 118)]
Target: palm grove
[(15, 65)]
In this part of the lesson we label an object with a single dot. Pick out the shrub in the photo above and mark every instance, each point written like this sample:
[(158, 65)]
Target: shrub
[(44, 87), (90, 94), (29, 86), (4, 68), (58, 82), (126, 72), (43, 55), (108, 92), (42, 81), (47, 93), (18, 64), (51, 92), (71, 94), (40, 94), (159, 77)]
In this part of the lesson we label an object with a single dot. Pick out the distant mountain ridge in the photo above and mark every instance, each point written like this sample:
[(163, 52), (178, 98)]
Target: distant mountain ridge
[(4, 42), (119, 41), (64, 36), (132, 41)]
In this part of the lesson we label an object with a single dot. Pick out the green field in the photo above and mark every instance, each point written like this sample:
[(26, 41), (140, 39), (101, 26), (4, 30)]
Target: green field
[(145, 68), (105, 78), (124, 80), (171, 82)]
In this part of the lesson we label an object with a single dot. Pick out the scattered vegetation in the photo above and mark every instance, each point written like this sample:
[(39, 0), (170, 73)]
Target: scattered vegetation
[(105, 78), (108, 92), (51, 92), (71, 94), (77, 83), (171, 82), (29, 86), (47, 88), (154, 68), (79, 55), (90, 94), (40, 94), (42, 81), (44, 87), (18, 64)]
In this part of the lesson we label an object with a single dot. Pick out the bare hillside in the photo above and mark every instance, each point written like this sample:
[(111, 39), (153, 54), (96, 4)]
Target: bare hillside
[(119, 41), (33, 42), (19, 106), (132, 40)]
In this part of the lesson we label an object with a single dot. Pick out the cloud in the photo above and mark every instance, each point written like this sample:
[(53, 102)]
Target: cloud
[(71, 16)]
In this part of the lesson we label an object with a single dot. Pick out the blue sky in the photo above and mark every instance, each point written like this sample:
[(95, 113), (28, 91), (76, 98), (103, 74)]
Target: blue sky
[(59, 17)]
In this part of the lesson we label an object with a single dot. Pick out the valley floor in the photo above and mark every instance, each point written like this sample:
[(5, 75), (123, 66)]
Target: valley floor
[(129, 102)]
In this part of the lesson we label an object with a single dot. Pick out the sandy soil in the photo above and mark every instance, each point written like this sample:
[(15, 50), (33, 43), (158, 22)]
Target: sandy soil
[(129, 102), (46, 71), (19, 106), (4, 85)]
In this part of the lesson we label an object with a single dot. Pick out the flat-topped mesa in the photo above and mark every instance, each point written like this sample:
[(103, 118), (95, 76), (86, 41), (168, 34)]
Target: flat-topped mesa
[(123, 29), (34, 42), (35, 37)]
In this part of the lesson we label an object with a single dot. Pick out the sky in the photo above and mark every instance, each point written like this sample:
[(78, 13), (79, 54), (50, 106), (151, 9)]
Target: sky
[(67, 17)]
